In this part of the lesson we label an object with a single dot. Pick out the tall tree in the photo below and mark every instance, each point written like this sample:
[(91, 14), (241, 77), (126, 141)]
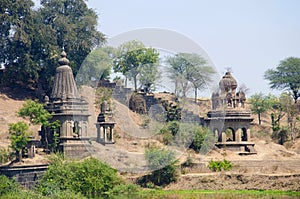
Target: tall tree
[(97, 65), (260, 103), (74, 27), (291, 110), (286, 76), (189, 68), (38, 115), (19, 137), (18, 42), (132, 59), (32, 39)]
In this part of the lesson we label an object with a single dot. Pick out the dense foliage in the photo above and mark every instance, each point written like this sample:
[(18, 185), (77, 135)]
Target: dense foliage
[(286, 76), (189, 70), (19, 137), (203, 140), (162, 162), (261, 103), (97, 66), (5, 155), (7, 185), (89, 177), (31, 39), (137, 62), (38, 115)]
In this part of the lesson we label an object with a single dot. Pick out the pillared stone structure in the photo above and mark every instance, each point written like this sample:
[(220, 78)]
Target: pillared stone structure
[(229, 119)]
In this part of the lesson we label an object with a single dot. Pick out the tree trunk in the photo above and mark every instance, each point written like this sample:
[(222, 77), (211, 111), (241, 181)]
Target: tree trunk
[(196, 94), (176, 85), (259, 120), (19, 156), (135, 82)]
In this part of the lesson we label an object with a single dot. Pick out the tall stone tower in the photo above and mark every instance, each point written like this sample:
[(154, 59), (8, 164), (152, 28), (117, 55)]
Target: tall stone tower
[(70, 110)]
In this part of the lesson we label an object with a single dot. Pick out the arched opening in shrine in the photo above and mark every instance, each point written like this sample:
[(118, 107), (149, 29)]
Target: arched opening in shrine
[(76, 128), (230, 134), (244, 134)]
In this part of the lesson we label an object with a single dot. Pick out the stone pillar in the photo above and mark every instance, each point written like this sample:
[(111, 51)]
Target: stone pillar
[(101, 129), (105, 133), (98, 133), (238, 135), (112, 133), (223, 137), (248, 135), (216, 134), (31, 151)]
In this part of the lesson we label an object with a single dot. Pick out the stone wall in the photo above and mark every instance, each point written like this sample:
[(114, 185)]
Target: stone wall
[(26, 176)]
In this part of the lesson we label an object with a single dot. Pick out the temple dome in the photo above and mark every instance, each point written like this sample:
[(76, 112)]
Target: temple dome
[(227, 83), (64, 84)]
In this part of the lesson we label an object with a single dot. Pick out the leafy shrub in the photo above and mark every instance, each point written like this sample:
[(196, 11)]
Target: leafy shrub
[(169, 131), (124, 189), (281, 135), (5, 155), (224, 165), (158, 158), (203, 139), (8, 186), (89, 177), (162, 162)]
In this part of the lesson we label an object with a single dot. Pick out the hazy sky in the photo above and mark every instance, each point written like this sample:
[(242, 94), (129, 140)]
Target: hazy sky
[(250, 36)]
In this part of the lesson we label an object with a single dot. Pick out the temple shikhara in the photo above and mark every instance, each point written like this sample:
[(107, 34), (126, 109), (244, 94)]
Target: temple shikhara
[(229, 119), (70, 110)]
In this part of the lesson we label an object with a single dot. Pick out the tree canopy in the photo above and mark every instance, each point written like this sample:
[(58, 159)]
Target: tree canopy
[(19, 137), (260, 103), (189, 70), (32, 39), (133, 59), (286, 76), (97, 65)]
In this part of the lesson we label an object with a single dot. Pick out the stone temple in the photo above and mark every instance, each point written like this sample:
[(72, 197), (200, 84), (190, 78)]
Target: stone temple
[(70, 110), (229, 119)]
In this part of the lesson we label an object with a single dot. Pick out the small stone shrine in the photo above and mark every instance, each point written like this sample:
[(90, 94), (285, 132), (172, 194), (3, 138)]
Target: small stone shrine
[(229, 119), (70, 110), (105, 125)]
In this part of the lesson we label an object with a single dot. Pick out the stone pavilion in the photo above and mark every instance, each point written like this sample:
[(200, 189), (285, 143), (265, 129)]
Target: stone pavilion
[(229, 119)]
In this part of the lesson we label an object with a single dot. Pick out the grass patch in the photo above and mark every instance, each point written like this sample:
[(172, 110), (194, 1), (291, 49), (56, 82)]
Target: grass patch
[(216, 194)]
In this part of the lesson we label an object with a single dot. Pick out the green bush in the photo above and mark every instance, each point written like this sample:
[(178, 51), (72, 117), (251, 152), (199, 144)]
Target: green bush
[(162, 162), (90, 177), (203, 139), (224, 165), (169, 131), (5, 155), (124, 189), (8, 186)]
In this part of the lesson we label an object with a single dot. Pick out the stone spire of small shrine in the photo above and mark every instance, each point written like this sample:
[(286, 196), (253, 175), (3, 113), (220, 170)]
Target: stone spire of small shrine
[(64, 84)]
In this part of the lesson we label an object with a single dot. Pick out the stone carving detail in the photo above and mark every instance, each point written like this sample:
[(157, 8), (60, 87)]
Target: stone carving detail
[(227, 96)]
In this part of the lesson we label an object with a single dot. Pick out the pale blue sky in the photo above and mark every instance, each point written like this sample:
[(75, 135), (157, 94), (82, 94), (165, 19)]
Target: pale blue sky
[(249, 36)]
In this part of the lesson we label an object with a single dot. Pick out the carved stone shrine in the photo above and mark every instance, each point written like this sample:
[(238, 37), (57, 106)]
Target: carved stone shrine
[(229, 119)]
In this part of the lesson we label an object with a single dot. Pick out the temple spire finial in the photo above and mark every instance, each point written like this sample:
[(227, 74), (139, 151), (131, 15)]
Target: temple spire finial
[(63, 60)]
